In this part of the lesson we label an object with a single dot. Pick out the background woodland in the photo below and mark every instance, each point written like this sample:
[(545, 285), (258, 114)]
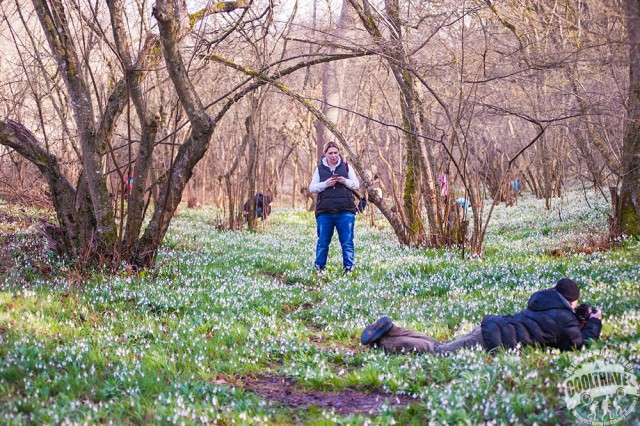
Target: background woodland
[(115, 112)]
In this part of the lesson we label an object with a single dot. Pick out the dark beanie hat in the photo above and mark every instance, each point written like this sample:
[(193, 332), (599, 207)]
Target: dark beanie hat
[(568, 288)]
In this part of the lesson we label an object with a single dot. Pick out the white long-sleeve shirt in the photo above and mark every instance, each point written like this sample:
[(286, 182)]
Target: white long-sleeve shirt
[(350, 182)]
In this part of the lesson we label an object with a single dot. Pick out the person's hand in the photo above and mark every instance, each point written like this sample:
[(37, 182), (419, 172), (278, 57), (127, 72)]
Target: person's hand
[(341, 179), (332, 180), (596, 313)]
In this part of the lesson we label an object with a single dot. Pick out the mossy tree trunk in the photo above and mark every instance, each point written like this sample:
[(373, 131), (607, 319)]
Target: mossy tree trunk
[(629, 201), (92, 138), (418, 180)]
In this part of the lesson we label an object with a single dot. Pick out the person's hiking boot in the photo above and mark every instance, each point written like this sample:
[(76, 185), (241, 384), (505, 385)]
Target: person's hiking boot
[(376, 330), (347, 271)]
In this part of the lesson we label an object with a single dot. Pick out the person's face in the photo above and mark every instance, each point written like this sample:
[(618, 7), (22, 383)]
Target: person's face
[(574, 304), (332, 156)]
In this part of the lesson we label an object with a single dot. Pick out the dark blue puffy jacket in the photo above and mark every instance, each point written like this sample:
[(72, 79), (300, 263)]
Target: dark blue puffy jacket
[(548, 320)]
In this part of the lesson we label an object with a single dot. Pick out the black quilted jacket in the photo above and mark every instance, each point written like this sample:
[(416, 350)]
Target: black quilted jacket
[(548, 320)]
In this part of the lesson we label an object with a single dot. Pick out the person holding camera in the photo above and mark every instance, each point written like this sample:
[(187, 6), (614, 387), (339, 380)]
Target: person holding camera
[(552, 318), (334, 182)]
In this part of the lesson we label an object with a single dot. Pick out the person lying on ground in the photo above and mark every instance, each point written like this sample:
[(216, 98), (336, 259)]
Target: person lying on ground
[(552, 318)]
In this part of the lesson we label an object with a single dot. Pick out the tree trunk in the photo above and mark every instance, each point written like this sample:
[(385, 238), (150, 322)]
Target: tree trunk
[(149, 122), (252, 165), (16, 136), (398, 63), (54, 23), (629, 210), (189, 153)]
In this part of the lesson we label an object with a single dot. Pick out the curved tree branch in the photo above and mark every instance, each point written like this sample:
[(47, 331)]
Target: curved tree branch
[(14, 135)]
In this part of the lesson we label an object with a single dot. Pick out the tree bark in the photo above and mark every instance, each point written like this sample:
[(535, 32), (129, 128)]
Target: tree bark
[(54, 23), (133, 72), (16, 136), (189, 153), (629, 211), (393, 50), (252, 163)]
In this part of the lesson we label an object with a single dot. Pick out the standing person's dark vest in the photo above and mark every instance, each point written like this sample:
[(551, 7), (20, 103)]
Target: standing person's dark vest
[(337, 198)]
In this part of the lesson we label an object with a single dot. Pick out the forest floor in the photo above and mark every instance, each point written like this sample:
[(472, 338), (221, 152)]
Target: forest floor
[(237, 327)]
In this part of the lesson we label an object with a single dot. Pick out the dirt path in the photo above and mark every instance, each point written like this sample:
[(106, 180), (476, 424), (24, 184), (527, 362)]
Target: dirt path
[(283, 391)]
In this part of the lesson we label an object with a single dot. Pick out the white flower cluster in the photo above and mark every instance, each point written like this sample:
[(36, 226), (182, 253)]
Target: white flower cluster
[(173, 344)]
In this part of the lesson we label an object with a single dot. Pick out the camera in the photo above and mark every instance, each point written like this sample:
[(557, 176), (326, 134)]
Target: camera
[(584, 311)]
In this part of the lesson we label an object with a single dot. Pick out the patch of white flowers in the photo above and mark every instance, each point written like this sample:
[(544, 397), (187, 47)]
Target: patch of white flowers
[(171, 345)]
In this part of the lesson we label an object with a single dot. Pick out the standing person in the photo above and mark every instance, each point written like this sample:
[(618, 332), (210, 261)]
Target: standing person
[(334, 181), (127, 183), (552, 318)]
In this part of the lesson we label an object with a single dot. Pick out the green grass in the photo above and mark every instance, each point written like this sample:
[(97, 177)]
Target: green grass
[(170, 345)]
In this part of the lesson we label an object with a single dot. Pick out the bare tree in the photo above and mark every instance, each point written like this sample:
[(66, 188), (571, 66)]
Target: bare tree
[(478, 93), (86, 213)]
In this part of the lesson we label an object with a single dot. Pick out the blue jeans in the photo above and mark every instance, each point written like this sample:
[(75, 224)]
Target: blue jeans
[(344, 222)]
